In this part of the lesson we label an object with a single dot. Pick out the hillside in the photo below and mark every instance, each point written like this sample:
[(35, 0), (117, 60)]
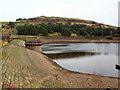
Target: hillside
[(55, 20), (59, 26)]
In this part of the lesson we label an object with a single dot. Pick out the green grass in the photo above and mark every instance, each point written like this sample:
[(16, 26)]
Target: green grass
[(18, 42), (54, 34), (18, 36)]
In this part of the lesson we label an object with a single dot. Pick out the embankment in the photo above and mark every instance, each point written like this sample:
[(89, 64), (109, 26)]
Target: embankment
[(24, 68)]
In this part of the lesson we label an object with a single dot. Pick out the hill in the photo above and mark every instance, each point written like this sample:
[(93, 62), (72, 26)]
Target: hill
[(55, 20), (59, 26)]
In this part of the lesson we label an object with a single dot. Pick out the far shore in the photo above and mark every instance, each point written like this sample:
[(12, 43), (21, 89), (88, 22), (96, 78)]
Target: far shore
[(49, 40)]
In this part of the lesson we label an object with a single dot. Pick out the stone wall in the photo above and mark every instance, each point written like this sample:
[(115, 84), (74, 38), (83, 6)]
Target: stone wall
[(36, 48)]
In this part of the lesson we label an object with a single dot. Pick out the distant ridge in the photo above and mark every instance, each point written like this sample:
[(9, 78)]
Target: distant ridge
[(54, 20)]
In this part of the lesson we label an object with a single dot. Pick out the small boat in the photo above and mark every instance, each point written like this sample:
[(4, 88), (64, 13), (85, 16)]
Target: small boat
[(117, 66)]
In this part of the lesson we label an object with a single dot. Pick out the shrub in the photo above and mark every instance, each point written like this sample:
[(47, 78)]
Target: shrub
[(109, 37)]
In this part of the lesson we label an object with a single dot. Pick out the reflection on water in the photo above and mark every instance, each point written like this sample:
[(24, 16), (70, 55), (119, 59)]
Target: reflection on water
[(85, 57), (54, 48), (90, 64), (69, 55)]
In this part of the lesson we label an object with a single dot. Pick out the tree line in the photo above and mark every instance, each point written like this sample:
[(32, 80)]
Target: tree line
[(65, 30)]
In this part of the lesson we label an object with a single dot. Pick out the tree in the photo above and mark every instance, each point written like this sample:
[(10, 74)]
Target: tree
[(20, 30), (3, 26), (44, 32), (81, 32), (114, 31), (107, 32), (98, 32), (66, 32), (118, 30), (19, 19), (11, 24), (27, 30), (49, 28)]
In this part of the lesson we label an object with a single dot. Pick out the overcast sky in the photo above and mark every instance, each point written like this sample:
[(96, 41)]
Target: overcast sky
[(103, 11)]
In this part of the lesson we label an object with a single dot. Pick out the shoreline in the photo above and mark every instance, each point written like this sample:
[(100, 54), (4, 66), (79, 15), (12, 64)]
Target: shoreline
[(62, 70), (49, 40), (60, 67)]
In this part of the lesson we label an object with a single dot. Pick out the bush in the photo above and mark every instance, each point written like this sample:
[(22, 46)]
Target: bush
[(11, 24), (44, 32), (19, 19), (109, 37), (116, 35)]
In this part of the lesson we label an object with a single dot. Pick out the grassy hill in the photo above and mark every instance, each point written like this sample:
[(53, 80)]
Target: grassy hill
[(58, 26), (54, 20)]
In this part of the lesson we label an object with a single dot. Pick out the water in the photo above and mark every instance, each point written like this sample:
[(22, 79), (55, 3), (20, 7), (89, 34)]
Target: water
[(97, 58)]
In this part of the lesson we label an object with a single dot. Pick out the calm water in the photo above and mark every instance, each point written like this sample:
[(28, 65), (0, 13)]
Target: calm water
[(99, 58)]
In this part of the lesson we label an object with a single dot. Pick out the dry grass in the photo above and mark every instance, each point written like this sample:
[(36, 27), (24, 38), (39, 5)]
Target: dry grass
[(4, 43), (55, 34)]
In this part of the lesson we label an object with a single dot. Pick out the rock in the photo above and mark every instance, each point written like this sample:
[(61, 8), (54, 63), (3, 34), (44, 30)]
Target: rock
[(117, 66)]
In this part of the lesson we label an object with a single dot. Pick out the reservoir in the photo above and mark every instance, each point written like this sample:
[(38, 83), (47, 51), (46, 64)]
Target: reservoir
[(92, 58)]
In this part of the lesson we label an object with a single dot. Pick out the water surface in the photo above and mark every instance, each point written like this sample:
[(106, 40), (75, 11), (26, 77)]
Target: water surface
[(97, 58)]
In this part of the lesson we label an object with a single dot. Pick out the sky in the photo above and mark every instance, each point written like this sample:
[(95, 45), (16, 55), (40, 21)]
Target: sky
[(103, 11)]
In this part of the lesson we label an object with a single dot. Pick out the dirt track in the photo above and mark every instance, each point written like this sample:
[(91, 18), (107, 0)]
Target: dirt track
[(29, 69)]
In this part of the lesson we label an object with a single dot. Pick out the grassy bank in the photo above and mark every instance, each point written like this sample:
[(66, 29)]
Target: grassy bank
[(18, 42)]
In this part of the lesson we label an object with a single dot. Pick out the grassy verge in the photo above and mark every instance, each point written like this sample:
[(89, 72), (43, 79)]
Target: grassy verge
[(18, 42)]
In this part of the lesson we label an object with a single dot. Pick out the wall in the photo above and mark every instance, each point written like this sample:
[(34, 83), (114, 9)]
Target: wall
[(35, 48)]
